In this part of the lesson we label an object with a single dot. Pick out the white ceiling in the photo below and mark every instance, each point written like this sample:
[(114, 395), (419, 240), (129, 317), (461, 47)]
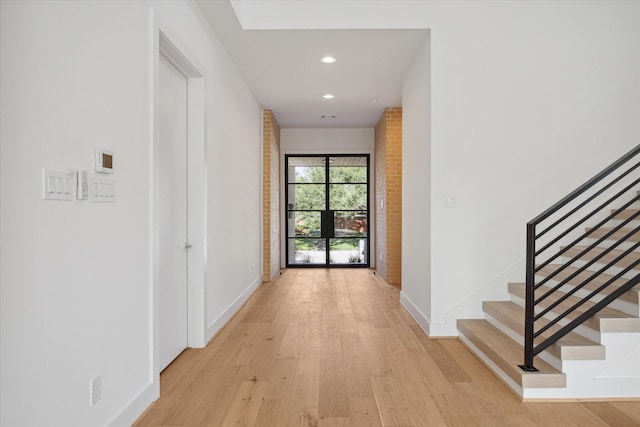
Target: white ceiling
[(283, 69)]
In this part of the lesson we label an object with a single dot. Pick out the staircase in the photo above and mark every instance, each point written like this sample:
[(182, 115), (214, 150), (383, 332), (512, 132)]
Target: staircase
[(597, 355)]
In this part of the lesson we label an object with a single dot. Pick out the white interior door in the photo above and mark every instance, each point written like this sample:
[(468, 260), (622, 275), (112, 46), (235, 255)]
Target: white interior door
[(173, 213)]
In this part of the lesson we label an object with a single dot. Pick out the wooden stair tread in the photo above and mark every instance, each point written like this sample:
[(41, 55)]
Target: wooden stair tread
[(572, 346), (627, 213), (597, 233), (606, 320), (631, 296), (507, 354), (629, 259)]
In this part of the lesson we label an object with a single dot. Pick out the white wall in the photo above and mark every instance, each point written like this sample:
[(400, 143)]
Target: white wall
[(529, 100), (326, 141), (416, 187), (76, 284)]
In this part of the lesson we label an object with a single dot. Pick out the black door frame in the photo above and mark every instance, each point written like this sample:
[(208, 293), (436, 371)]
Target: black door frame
[(327, 217)]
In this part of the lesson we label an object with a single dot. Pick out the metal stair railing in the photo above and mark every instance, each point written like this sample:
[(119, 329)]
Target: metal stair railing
[(621, 179)]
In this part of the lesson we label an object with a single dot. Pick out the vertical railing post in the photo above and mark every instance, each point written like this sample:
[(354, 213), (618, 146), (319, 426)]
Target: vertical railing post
[(529, 299)]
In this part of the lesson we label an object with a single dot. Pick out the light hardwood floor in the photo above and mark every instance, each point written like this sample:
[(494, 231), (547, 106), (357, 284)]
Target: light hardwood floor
[(321, 347)]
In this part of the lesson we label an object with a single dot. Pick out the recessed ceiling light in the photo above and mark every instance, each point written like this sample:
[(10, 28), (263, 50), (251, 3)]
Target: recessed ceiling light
[(373, 100), (328, 60), (328, 96)]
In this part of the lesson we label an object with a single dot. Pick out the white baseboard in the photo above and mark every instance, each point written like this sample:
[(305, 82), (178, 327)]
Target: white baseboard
[(132, 411), (431, 329), (275, 273), (215, 326), (415, 312)]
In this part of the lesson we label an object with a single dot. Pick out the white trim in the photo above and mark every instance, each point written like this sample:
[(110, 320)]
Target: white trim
[(164, 43), (197, 210), (169, 47), (415, 312), (262, 170), (215, 326), (136, 406), (176, 57)]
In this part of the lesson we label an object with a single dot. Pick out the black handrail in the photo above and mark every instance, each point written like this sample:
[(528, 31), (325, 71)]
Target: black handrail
[(533, 308)]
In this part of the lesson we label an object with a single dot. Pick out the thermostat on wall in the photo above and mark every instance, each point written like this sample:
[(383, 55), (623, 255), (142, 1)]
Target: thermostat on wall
[(104, 160)]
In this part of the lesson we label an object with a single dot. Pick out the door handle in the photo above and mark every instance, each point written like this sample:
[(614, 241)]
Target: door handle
[(187, 245), (323, 224), (331, 224), (327, 224)]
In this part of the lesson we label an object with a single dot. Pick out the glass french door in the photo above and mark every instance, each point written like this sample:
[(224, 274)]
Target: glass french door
[(327, 210)]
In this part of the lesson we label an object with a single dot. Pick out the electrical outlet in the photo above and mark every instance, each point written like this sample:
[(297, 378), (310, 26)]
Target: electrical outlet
[(95, 389), (380, 256)]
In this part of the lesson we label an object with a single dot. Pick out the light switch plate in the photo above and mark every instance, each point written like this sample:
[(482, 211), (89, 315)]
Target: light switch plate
[(102, 190), (58, 185)]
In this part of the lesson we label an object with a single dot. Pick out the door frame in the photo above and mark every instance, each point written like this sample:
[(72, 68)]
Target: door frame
[(285, 191), (169, 46)]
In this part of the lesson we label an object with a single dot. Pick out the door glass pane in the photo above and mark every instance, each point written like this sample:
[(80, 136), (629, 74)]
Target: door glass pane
[(306, 169), (307, 251), (306, 197), (350, 224), (306, 224), (347, 251), (348, 170), (348, 196)]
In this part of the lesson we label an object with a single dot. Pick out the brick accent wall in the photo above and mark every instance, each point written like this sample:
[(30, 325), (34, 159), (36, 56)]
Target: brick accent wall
[(270, 195), (388, 169)]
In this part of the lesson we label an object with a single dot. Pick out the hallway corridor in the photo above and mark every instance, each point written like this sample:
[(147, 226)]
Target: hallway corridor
[(321, 347)]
